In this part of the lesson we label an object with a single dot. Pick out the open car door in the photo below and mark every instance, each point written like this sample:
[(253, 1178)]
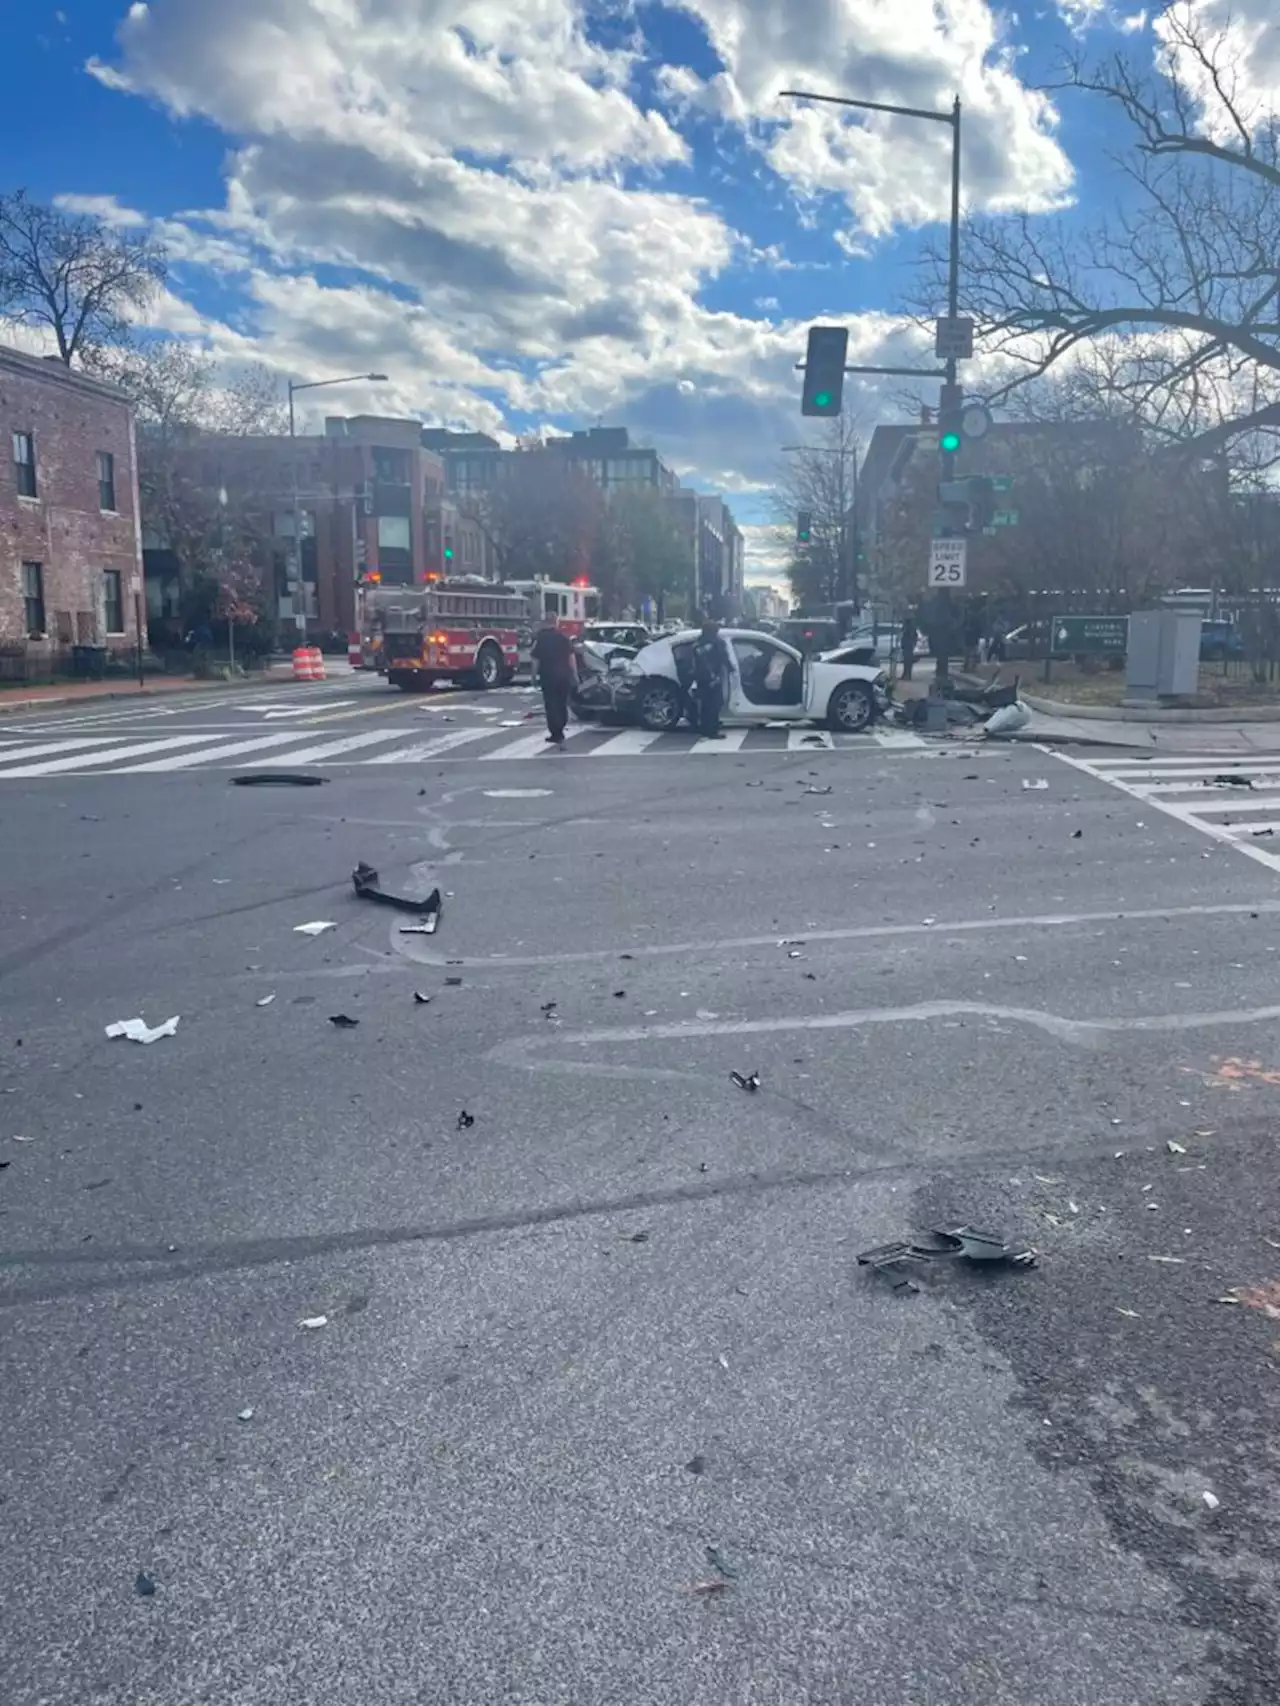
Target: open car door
[(768, 684)]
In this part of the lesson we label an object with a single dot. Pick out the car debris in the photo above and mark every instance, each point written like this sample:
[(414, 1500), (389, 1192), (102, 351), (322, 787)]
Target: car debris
[(264, 1001), (278, 779), (312, 1322), (1229, 779), (453, 983), (697, 1464), (825, 790), (1211, 1500), (1175, 1148), (1007, 720), (1257, 832), (1076, 834), (367, 885), (1035, 784), (717, 1562), (419, 999), (138, 1030), (746, 1081), (316, 928), (465, 1120), (958, 1242), (343, 1021), (426, 928), (143, 1585), (245, 1415)]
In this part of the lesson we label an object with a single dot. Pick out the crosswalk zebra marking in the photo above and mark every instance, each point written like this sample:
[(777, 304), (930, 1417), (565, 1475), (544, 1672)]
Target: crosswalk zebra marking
[(336, 748), (1206, 810), (56, 766), (730, 741), (428, 749), (185, 760), (525, 747), (626, 744)]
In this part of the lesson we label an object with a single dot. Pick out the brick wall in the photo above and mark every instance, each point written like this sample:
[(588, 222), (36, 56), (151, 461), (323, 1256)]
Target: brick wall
[(64, 529)]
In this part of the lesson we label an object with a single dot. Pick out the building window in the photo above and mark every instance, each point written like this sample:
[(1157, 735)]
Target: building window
[(393, 532), (33, 599), (24, 463), (391, 467), (113, 600), (106, 480)]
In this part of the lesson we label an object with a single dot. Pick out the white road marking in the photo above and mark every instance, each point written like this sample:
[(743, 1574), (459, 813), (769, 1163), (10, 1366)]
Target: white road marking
[(50, 746), (807, 740), (207, 755), (896, 737), (430, 748), (336, 748), (730, 741), (109, 756), (524, 748), (625, 745)]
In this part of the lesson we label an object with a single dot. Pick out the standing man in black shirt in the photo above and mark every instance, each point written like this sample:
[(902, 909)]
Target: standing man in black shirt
[(710, 666), (553, 659)]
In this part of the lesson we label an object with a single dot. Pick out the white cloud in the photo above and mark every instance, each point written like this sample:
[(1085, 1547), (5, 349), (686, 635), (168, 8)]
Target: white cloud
[(1243, 41)]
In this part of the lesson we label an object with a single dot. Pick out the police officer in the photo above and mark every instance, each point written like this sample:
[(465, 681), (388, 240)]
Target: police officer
[(710, 667)]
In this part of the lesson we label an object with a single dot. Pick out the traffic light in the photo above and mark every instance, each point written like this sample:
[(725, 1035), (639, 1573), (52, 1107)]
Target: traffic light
[(448, 547), (950, 419), (976, 496), (804, 527), (824, 370)]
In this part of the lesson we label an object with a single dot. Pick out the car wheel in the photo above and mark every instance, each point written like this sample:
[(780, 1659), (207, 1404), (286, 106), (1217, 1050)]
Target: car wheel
[(658, 706), (488, 671), (851, 708)]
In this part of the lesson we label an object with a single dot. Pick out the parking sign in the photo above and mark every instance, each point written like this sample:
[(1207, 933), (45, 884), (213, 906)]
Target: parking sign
[(947, 562)]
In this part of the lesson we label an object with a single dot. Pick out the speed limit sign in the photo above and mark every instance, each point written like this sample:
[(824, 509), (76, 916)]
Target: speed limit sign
[(947, 562)]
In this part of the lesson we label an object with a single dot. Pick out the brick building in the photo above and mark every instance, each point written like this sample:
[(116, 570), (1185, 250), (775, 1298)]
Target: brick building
[(369, 503), (70, 546)]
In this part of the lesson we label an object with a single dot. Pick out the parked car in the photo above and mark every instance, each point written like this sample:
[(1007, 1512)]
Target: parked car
[(771, 682), (633, 635)]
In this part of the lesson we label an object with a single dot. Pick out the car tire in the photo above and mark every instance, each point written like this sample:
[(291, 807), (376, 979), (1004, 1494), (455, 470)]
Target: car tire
[(851, 708), (658, 706), (489, 668)]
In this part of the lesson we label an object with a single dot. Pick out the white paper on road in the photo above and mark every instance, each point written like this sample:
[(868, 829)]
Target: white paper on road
[(316, 928), (138, 1030)]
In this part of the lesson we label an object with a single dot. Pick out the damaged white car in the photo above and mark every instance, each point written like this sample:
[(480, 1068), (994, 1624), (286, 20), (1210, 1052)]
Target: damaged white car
[(769, 682)]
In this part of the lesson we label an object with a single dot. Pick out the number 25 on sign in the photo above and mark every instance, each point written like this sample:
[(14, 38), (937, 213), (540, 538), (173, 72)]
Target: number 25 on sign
[(947, 562)]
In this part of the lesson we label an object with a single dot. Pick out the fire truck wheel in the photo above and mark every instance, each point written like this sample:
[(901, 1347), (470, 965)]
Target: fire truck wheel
[(489, 666)]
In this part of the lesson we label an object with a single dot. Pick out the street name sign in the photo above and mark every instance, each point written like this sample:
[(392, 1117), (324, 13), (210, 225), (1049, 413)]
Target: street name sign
[(953, 339), (1099, 634), (947, 562)]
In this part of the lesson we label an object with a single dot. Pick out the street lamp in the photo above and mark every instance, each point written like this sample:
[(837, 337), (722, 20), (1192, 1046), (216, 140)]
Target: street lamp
[(300, 616)]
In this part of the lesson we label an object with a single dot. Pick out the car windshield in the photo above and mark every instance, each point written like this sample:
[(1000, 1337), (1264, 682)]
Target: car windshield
[(639, 724)]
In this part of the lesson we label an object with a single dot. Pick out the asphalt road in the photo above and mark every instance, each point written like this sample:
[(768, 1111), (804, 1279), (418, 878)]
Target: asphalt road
[(616, 1319)]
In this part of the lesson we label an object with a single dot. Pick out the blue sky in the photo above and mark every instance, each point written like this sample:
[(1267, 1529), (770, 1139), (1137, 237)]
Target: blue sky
[(546, 213)]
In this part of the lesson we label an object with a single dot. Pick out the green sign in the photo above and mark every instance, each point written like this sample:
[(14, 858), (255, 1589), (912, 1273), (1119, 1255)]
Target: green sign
[(1005, 518), (1106, 634), (1002, 482)]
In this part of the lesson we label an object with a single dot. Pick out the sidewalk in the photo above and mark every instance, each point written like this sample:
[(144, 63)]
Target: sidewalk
[(1154, 737), (76, 692)]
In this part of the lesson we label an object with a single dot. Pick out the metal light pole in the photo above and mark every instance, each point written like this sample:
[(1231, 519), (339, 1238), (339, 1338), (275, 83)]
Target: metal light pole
[(948, 373), (300, 616)]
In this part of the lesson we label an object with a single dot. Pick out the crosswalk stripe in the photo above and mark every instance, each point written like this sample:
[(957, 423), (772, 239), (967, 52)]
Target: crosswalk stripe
[(51, 746), (625, 744), (109, 756), (897, 737), (184, 760), (525, 747), (336, 748), (1181, 808), (430, 748), (730, 741), (808, 740)]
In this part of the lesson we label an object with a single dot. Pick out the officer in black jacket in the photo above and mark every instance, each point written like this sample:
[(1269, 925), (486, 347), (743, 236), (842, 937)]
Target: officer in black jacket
[(710, 667)]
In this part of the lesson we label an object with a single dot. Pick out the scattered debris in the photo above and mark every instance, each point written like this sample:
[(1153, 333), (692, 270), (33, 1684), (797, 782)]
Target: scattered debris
[(1171, 1261), (746, 1081), (794, 954), (717, 1562), (452, 982), (619, 995), (245, 1415), (697, 1464), (1175, 1148), (143, 1585), (549, 1007), (1257, 832), (426, 928), (419, 999), (635, 1237), (278, 779), (1076, 834), (138, 1030), (343, 1021), (317, 928), (1130, 1314), (368, 886), (264, 1001), (889, 1260), (1035, 784), (311, 1322), (723, 1360), (825, 790), (1229, 779), (1265, 1297), (1007, 720), (19, 1139), (715, 1585), (465, 1120), (1211, 1500)]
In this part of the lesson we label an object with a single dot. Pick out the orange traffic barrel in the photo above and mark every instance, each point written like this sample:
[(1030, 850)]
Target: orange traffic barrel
[(317, 663), (302, 663)]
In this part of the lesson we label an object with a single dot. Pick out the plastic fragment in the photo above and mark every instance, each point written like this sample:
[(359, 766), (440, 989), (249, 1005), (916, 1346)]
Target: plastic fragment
[(1035, 784), (245, 1415), (368, 886), (264, 1001), (143, 1585), (1131, 1313), (316, 928), (1172, 1261), (465, 1120), (1211, 1500), (746, 1081), (343, 1021), (1175, 1148), (138, 1030), (311, 1322)]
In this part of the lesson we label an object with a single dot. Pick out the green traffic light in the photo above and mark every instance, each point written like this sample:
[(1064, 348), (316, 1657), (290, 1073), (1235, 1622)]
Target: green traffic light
[(822, 398), (949, 442)]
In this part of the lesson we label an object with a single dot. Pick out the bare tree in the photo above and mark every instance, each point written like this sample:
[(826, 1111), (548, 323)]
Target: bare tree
[(541, 515), (819, 482), (73, 275), (1167, 309)]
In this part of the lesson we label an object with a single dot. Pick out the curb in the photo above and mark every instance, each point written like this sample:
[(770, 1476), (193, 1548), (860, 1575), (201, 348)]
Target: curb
[(1136, 714), (14, 707)]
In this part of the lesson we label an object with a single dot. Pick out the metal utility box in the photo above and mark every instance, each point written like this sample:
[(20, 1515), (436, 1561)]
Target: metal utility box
[(1164, 655)]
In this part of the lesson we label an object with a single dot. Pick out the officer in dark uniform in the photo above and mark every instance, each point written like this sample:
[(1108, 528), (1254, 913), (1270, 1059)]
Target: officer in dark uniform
[(710, 666)]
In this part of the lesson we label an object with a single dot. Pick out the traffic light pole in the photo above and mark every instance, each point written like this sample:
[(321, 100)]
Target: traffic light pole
[(948, 374)]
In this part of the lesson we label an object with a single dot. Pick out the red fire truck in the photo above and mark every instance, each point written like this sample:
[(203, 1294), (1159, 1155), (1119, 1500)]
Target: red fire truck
[(474, 632), (571, 602)]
